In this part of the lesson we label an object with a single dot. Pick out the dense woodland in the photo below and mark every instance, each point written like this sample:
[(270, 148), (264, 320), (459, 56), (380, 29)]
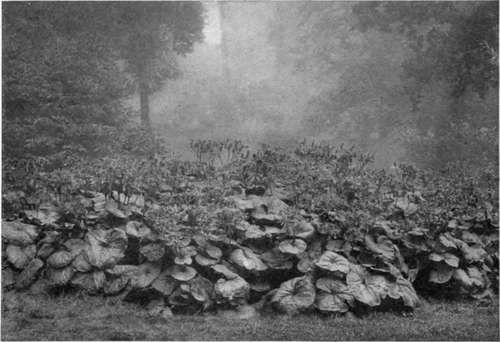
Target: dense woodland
[(96, 198)]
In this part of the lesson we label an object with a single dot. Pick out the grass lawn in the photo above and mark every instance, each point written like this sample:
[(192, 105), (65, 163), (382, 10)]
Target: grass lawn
[(25, 317)]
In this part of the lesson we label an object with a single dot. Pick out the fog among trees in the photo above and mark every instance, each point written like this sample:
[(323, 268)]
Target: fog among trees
[(408, 81)]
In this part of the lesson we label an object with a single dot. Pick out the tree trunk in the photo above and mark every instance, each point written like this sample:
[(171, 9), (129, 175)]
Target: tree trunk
[(144, 103)]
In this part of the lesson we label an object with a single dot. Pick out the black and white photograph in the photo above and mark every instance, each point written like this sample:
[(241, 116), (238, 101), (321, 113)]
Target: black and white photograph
[(250, 171)]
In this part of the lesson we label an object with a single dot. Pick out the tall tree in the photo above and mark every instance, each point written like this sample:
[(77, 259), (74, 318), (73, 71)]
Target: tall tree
[(150, 35)]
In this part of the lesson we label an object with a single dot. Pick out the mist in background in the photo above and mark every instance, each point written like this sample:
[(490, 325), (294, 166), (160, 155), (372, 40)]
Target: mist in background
[(280, 72)]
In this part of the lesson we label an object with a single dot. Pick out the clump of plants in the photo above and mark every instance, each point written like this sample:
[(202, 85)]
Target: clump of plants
[(313, 228)]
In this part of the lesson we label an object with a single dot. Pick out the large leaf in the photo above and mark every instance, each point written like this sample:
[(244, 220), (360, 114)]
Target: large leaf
[(112, 207), (301, 229), (184, 254), (403, 289), (60, 276), (165, 283), (105, 248), (8, 277), (90, 282), (267, 219), (75, 246), (124, 270), (137, 229), (277, 260), (441, 273), (46, 214), (331, 302), (450, 259), (295, 295), (17, 257), (81, 264), (153, 251), (361, 291), (205, 261), (45, 250), (463, 278), (247, 259), (473, 253), (476, 276), (114, 286), (181, 272), (408, 207), (234, 290), (225, 271), (254, 232), (60, 259), (145, 274), (201, 289), (383, 247), (19, 233), (334, 295), (29, 274), (333, 262), (292, 246)]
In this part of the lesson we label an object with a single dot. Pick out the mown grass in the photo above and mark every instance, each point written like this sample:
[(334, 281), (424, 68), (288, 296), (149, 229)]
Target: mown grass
[(25, 317)]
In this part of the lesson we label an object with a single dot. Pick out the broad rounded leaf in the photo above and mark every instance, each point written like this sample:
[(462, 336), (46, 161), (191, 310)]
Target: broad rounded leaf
[(332, 261), (201, 289), (144, 275), (247, 259), (81, 264), (403, 289), (213, 251), (476, 276), (29, 274), (112, 208), (137, 229), (332, 285), (205, 261), (301, 229), (182, 273), (473, 253), (60, 259), (105, 248), (90, 282), (331, 302), (451, 259), (356, 281), (225, 271), (75, 246), (294, 247), (180, 297), (447, 241), (441, 273), (260, 286), (164, 284), (233, 290), (114, 286), (17, 257), (277, 260), (124, 270), (60, 276), (45, 215), (463, 278), (254, 232), (383, 247), (267, 219), (45, 250), (295, 295), (8, 277), (153, 251), (19, 233)]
